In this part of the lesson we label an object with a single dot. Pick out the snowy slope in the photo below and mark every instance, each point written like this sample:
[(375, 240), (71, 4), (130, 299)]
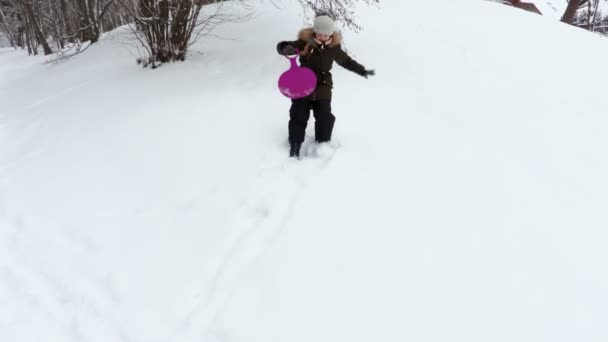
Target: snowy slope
[(462, 199)]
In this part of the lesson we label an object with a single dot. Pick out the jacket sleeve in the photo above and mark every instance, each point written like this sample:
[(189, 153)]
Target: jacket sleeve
[(297, 44), (344, 60)]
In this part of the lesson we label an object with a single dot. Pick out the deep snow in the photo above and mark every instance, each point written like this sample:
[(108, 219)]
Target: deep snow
[(462, 199)]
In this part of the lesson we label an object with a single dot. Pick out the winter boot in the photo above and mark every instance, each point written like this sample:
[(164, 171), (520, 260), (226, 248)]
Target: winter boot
[(294, 150)]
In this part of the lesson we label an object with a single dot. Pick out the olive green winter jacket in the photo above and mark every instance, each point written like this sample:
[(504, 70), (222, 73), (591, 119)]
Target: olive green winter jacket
[(320, 58)]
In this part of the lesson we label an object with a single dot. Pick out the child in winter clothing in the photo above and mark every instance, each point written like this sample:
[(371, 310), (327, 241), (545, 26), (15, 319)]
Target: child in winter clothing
[(319, 47)]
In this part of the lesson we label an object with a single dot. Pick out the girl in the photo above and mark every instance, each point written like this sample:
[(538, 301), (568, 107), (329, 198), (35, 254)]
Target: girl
[(319, 47)]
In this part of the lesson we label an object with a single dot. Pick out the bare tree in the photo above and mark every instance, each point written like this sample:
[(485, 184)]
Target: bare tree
[(167, 28), (34, 29), (66, 23), (6, 27), (573, 7), (592, 11)]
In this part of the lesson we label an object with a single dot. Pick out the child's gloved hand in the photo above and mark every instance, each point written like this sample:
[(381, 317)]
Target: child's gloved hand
[(287, 48), (368, 73)]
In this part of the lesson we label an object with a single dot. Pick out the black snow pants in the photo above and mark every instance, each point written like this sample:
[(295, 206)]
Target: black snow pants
[(299, 115)]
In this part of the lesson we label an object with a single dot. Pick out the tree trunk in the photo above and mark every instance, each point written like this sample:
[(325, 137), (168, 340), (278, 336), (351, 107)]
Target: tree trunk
[(570, 12), (35, 28), (8, 29), (66, 20), (86, 20), (593, 14), (32, 48), (21, 36), (91, 5)]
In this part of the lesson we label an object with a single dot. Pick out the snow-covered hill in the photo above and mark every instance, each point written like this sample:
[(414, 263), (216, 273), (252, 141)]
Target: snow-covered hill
[(462, 199)]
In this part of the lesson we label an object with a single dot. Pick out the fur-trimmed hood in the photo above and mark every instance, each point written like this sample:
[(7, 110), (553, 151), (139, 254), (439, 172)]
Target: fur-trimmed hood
[(306, 34)]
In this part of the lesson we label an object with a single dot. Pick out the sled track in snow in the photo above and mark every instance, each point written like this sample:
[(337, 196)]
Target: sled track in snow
[(264, 217)]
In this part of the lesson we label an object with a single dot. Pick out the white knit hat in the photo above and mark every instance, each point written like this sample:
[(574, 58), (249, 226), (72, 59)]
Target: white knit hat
[(324, 25)]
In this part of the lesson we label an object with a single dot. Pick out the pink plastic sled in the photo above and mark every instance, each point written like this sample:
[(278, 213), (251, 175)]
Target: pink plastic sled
[(297, 82)]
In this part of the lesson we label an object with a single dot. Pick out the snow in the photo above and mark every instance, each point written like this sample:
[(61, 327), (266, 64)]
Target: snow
[(463, 197)]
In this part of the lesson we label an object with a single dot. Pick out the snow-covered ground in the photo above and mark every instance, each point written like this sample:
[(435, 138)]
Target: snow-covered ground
[(463, 198)]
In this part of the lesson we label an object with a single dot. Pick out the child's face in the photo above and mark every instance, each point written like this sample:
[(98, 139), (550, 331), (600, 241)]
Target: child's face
[(322, 37)]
